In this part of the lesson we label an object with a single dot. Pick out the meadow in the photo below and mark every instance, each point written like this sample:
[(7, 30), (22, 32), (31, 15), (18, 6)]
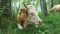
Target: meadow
[(50, 25)]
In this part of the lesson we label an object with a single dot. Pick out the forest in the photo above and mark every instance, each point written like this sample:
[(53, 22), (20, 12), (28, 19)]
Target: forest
[(48, 11)]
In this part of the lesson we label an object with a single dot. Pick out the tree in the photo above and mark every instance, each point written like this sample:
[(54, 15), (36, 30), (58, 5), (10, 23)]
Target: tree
[(19, 5), (6, 5), (44, 7), (51, 3)]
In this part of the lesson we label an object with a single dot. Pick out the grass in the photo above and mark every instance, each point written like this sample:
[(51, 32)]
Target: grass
[(50, 25)]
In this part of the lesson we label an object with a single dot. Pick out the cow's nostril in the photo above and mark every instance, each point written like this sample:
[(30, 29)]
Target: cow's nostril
[(40, 22)]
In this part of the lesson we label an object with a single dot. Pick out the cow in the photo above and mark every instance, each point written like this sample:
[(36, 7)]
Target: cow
[(55, 8), (28, 16)]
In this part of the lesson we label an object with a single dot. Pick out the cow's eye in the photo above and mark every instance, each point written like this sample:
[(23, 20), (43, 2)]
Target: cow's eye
[(32, 14)]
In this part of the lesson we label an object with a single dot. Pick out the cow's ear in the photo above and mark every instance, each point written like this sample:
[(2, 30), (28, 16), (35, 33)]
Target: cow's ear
[(21, 10), (20, 13)]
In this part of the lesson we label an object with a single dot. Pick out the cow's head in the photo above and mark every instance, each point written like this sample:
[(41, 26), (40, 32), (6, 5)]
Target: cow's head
[(33, 15), (28, 15)]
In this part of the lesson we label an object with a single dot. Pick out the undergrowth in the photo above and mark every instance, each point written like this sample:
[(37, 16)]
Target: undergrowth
[(50, 25)]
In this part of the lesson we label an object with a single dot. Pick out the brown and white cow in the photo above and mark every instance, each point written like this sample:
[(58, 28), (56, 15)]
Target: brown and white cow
[(55, 8), (28, 16)]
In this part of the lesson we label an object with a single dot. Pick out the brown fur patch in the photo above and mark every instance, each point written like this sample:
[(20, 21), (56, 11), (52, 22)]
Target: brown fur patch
[(22, 15), (24, 10)]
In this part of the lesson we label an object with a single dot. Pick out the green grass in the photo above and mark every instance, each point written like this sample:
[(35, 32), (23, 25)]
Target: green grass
[(50, 25)]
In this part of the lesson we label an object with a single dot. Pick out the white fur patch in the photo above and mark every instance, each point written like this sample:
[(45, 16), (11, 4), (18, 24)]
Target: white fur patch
[(19, 26)]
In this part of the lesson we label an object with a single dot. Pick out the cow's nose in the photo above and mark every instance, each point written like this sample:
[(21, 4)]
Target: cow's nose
[(40, 22)]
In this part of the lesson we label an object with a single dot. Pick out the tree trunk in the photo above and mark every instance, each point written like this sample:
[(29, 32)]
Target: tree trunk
[(6, 4), (51, 3), (19, 5), (44, 7)]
